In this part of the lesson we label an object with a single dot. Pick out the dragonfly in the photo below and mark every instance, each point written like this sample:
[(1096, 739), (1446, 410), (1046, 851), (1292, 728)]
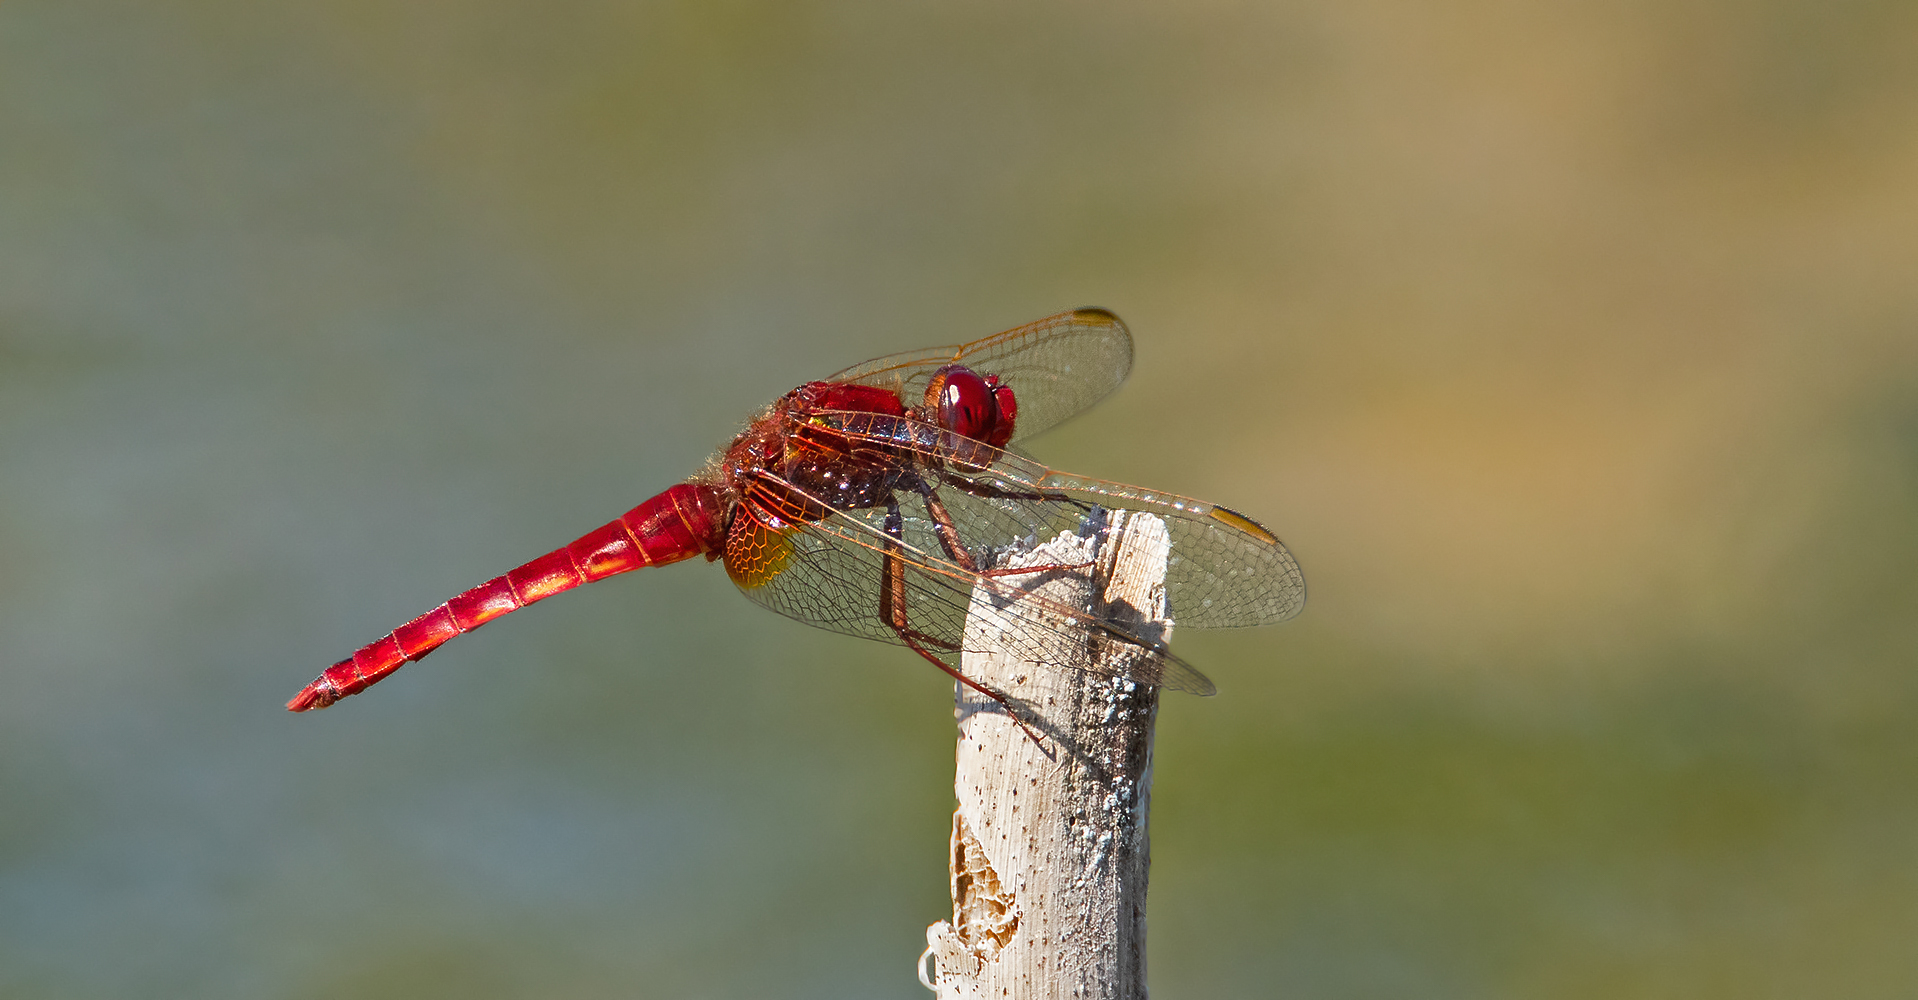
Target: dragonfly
[(876, 502)]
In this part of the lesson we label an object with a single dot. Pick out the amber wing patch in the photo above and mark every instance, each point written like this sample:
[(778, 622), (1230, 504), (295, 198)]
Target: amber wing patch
[(756, 552)]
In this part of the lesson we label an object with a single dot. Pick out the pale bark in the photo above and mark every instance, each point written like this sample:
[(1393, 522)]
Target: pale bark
[(1049, 848)]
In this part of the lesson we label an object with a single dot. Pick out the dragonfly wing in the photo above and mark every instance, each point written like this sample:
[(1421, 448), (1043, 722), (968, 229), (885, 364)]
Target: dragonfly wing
[(1056, 367), (831, 573), (1226, 570), (818, 579)]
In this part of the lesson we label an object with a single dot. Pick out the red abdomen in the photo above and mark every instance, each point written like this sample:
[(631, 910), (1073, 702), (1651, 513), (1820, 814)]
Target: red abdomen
[(680, 523)]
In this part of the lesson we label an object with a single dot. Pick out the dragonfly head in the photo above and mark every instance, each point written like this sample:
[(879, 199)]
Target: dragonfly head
[(976, 406)]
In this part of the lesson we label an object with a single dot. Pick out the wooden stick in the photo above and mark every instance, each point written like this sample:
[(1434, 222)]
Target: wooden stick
[(1049, 846)]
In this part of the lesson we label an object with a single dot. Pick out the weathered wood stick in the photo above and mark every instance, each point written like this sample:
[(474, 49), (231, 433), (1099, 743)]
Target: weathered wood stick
[(1049, 846)]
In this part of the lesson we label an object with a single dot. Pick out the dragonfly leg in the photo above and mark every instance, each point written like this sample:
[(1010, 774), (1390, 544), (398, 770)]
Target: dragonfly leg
[(980, 489), (942, 526), (948, 533), (892, 607)]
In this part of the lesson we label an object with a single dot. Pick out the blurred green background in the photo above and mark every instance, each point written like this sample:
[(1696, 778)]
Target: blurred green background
[(1572, 347)]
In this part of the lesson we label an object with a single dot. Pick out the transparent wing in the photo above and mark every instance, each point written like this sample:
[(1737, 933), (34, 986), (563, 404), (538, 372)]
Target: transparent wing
[(831, 573), (1226, 570), (1057, 366)]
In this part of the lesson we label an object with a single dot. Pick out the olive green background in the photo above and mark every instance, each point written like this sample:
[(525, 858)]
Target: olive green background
[(1572, 347)]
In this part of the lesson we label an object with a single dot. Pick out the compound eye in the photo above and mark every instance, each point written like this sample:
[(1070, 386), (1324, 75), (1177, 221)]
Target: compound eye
[(966, 403), (1008, 411)]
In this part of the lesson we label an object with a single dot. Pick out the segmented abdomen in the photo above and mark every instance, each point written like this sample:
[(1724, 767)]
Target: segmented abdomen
[(680, 523)]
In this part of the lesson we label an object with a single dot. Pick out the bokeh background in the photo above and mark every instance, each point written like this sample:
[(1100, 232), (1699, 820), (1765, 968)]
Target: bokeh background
[(1572, 347)]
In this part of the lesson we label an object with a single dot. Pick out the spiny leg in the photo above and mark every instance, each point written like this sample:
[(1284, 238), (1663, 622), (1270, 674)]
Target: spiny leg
[(892, 607), (948, 532), (989, 492), (942, 525)]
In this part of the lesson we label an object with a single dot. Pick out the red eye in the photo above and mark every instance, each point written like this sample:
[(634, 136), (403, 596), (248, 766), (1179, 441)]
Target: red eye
[(965, 402), (1008, 411)]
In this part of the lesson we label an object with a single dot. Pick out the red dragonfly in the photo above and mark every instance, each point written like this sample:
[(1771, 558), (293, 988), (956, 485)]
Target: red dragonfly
[(875, 501)]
